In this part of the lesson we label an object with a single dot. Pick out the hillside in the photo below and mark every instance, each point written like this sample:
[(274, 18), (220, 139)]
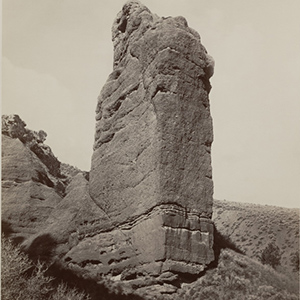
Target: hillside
[(251, 227), (240, 277)]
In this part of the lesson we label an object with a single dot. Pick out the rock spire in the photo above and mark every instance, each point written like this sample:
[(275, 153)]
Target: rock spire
[(151, 167)]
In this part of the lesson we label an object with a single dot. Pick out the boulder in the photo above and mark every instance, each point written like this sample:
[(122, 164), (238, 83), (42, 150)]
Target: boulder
[(72, 220)]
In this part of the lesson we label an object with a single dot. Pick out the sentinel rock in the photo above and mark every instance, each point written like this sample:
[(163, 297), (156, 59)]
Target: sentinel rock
[(151, 167)]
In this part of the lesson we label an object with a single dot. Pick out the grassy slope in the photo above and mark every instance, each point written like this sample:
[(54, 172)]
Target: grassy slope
[(251, 227), (238, 277)]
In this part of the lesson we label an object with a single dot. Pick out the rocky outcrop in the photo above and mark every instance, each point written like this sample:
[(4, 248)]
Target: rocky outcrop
[(73, 219), (151, 167), (29, 191), (14, 127), (33, 184)]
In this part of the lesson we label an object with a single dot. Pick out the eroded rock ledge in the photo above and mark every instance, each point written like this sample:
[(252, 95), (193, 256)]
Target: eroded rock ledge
[(167, 238)]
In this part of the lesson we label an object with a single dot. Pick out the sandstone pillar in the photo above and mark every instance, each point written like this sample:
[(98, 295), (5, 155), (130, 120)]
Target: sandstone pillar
[(151, 166)]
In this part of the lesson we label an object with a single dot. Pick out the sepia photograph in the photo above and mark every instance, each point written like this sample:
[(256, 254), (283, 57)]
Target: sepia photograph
[(150, 150)]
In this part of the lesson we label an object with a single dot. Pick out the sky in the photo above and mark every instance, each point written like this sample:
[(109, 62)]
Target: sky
[(57, 55)]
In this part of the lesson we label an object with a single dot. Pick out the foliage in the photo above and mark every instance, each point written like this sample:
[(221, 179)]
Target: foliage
[(239, 277), (255, 226), (295, 261), (23, 280), (271, 255)]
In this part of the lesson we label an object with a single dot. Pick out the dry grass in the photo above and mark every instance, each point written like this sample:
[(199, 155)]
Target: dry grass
[(23, 280), (239, 277), (252, 227)]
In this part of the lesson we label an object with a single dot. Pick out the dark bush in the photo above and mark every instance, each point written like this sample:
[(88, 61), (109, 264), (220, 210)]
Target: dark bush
[(271, 255), (295, 261)]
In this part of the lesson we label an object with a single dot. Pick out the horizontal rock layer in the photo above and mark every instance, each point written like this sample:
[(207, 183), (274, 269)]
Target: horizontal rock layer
[(167, 238)]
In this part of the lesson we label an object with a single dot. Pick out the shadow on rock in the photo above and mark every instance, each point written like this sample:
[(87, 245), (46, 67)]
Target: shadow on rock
[(222, 242), (8, 232), (103, 289), (6, 229), (42, 248)]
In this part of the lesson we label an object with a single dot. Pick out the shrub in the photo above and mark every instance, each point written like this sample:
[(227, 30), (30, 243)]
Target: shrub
[(63, 292), (271, 255), (238, 277), (243, 239), (21, 279), (209, 293), (15, 281), (295, 261)]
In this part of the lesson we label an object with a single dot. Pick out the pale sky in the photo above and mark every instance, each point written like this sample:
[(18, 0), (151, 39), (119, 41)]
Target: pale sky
[(57, 55)]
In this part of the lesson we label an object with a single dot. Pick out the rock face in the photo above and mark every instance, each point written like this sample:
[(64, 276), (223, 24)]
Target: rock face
[(14, 127), (29, 190), (45, 204), (151, 167)]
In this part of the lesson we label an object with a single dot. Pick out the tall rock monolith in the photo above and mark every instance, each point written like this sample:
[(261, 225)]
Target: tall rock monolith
[(151, 167)]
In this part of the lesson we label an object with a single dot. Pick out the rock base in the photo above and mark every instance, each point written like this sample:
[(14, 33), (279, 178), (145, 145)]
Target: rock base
[(167, 238)]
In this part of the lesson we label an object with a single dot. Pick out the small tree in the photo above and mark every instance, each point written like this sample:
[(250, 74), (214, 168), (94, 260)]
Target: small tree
[(271, 255)]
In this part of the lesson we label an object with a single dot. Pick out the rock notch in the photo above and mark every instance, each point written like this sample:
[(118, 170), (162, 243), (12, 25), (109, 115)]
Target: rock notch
[(151, 167)]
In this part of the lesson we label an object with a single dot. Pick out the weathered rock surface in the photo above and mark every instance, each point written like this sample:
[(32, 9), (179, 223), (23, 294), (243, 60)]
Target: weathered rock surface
[(151, 167), (73, 219), (13, 126), (28, 189), (33, 184)]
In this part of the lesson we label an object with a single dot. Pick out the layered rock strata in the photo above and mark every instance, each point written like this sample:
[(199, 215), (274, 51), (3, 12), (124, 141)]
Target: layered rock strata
[(151, 167)]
